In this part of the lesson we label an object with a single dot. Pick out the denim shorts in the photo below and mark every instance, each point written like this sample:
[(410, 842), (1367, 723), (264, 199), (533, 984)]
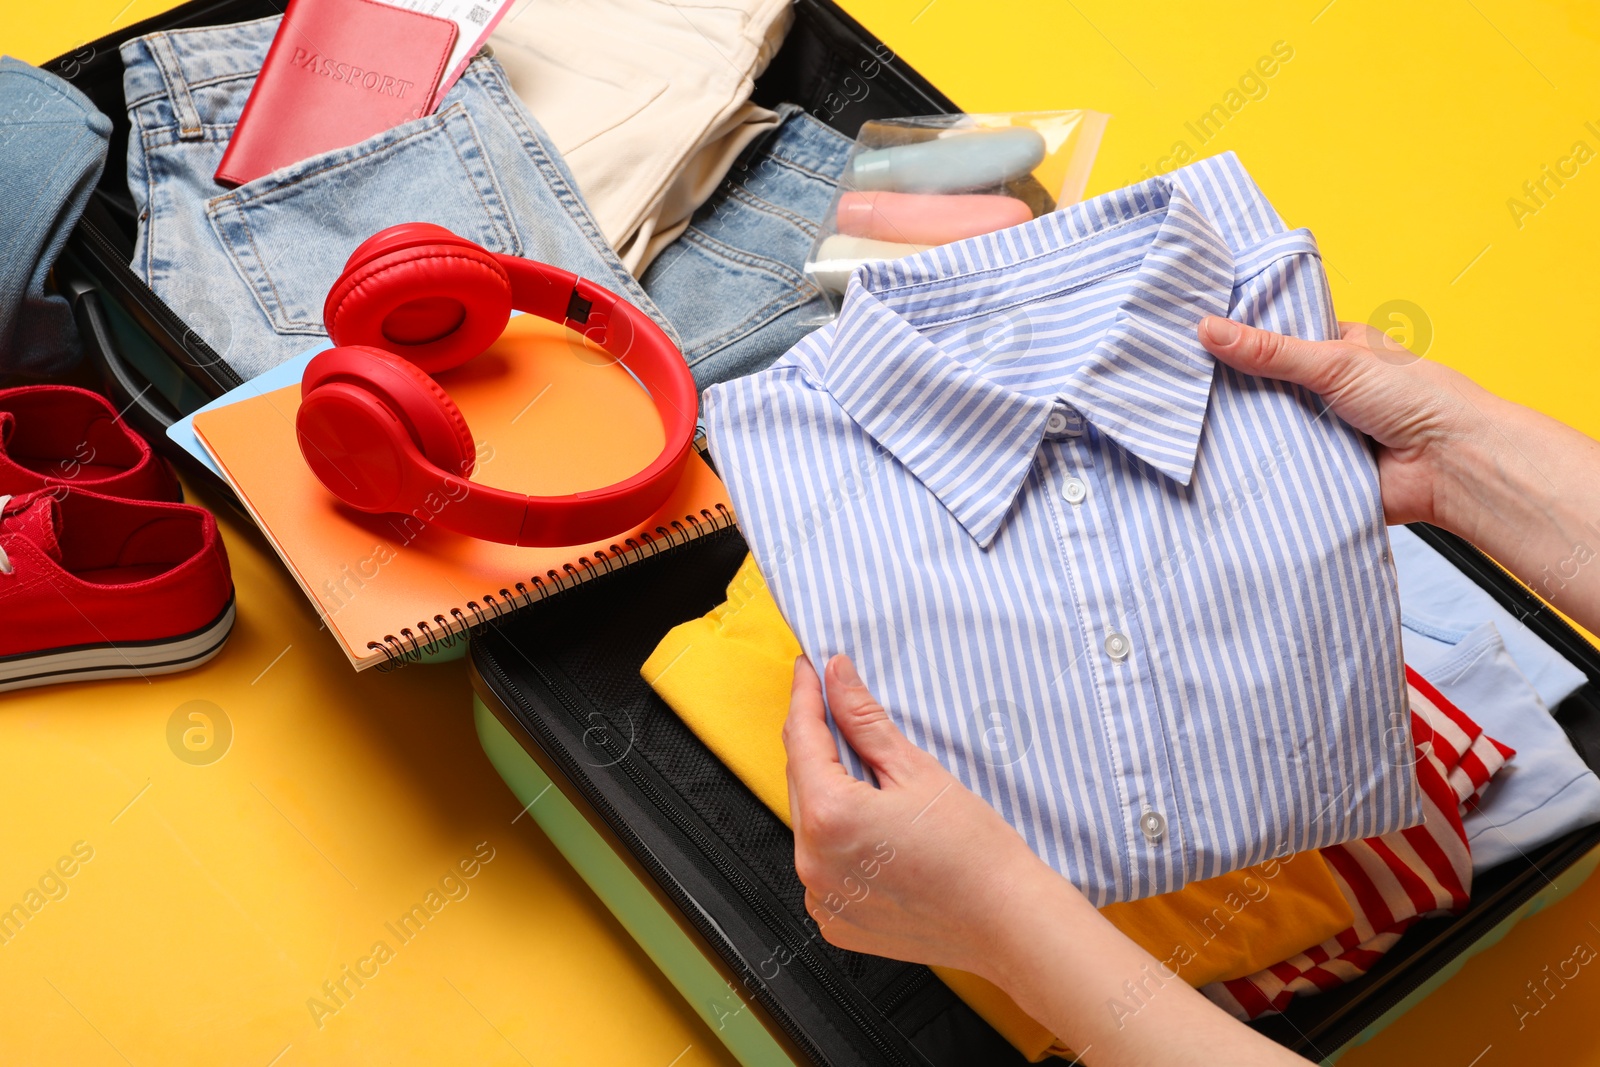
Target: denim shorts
[(248, 268)]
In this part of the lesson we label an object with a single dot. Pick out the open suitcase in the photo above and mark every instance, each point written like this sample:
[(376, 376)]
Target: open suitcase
[(692, 864), (702, 874)]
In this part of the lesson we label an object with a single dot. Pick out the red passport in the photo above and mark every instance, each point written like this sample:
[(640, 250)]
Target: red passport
[(338, 72)]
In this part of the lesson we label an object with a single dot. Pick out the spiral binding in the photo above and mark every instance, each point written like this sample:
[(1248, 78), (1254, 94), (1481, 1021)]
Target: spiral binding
[(441, 632)]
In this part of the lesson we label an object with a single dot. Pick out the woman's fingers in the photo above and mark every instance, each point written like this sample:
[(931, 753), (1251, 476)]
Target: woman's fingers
[(865, 724), (1324, 367), (813, 754)]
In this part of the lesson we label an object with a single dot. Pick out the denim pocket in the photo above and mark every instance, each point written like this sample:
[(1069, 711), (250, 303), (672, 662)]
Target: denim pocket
[(715, 292), (732, 283), (289, 233)]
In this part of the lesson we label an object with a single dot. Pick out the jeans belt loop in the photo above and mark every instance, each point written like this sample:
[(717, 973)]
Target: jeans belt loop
[(188, 116)]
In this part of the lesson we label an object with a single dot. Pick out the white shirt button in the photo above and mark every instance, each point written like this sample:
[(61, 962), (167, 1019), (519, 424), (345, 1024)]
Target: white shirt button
[(1074, 490), (1063, 421), (1152, 826), (1118, 646)]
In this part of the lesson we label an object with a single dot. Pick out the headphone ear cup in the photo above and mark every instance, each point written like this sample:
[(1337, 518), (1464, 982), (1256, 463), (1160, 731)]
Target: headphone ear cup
[(437, 305), (405, 235), (426, 416)]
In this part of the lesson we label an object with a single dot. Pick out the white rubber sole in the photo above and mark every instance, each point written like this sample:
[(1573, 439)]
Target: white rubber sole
[(86, 663)]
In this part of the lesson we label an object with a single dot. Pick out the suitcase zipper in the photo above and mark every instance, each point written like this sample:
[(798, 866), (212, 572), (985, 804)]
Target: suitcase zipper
[(801, 951), (903, 989)]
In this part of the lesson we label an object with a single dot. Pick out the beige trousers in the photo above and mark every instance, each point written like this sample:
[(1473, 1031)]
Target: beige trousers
[(648, 100)]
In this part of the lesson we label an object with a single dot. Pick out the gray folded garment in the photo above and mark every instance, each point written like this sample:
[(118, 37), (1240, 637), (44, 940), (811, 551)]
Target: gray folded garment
[(52, 150)]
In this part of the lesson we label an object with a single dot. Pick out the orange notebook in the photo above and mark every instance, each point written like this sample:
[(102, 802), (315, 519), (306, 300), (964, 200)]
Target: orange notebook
[(550, 416)]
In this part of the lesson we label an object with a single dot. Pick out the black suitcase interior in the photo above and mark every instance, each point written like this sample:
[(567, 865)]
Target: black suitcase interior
[(563, 667)]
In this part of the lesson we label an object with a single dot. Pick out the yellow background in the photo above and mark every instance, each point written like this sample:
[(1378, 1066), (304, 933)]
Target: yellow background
[(220, 897)]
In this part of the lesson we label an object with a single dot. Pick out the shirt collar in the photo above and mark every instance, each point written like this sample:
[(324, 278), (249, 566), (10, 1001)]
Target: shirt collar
[(1145, 385)]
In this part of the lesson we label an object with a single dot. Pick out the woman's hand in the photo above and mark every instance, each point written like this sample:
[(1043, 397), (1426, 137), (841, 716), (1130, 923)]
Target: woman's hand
[(1518, 484), (1417, 411), (922, 869), (917, 869)]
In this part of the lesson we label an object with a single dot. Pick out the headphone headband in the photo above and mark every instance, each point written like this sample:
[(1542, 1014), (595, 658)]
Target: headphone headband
[(381, 435)]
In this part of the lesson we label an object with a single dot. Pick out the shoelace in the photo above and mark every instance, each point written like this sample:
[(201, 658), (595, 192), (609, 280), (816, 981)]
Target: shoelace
[(5, 560)]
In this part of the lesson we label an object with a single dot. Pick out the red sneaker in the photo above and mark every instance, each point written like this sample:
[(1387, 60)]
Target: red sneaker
[(93, 586), (60, 435)]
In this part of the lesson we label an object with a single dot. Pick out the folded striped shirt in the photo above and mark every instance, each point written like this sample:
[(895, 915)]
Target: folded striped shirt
[(1141, 603)]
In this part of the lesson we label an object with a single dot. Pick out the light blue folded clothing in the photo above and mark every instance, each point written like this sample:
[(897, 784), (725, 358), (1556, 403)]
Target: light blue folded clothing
[(53, 142), (1442, 606), (1546, 790)]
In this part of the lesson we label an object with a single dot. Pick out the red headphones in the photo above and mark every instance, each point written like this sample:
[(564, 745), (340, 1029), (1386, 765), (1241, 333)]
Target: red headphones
[(382, 435)]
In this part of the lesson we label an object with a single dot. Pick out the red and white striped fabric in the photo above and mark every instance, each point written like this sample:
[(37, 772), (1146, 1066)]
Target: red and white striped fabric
[(1393, 880)]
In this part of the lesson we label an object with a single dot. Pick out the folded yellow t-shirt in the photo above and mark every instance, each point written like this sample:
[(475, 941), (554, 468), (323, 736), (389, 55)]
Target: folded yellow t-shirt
[(728, 673)]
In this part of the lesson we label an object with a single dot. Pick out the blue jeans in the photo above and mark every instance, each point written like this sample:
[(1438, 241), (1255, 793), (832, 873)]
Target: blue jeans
[(732, 283), (248, 268)]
